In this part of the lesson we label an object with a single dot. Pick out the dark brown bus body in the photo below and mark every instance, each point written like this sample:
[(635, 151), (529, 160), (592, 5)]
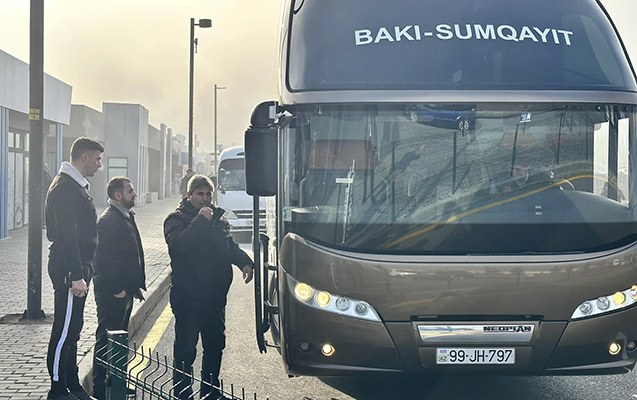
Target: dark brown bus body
[(442, 291), (456, 189)]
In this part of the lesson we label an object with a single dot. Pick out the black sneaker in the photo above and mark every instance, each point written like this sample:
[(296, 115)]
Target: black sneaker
[(64, 396), (81, 394)]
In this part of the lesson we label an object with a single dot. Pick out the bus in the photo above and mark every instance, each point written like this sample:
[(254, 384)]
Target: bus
[(505, 243), (232, 197)]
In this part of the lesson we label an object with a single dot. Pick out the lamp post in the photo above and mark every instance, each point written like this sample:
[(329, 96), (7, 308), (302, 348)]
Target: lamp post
[(203, 23), (215, 127)]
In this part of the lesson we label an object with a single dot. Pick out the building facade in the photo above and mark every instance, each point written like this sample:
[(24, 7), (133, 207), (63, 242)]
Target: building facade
[(133, 147), (15, 136)]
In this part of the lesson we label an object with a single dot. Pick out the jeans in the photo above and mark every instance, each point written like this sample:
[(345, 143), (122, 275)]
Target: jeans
[(112, 314)]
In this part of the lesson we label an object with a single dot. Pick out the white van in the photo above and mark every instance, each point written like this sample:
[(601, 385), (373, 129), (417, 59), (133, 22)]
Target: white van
[(232, 197)]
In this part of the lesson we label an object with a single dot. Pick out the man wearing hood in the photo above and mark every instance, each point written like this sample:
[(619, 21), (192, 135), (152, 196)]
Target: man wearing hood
[(71, 224), (202, 253)]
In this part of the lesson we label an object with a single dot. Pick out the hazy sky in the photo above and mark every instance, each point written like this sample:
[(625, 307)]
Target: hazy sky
[(136, 51)]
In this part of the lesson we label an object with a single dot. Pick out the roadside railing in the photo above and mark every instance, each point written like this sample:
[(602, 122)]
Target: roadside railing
[(135, 373)]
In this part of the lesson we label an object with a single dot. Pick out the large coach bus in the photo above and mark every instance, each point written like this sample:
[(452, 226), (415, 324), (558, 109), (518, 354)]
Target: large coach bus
[(454, 189)]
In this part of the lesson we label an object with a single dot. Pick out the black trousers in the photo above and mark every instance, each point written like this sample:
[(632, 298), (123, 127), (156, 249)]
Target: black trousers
[(112, 314), (68, 319), (190, 322)]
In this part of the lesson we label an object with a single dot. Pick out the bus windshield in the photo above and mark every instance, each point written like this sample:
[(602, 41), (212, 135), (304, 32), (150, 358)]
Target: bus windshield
[(232, 174), (461, 178)]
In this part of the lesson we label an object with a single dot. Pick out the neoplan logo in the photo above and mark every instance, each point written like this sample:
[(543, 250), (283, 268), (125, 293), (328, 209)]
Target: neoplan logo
[(508, 328)]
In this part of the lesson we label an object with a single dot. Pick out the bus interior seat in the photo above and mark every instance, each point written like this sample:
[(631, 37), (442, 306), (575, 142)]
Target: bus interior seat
[(330, 160)]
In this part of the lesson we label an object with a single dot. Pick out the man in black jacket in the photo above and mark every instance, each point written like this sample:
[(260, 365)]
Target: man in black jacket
[(201, 253), (183, 184), (119, 271), (71, 226)]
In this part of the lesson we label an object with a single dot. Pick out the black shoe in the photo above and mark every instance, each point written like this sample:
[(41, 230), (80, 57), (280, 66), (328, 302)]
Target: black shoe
[(81, 394), (65, 396)]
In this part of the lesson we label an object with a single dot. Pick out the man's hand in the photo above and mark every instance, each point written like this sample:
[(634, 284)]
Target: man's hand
[(121, 294), (206, 212), (79, 288), (248, 273)]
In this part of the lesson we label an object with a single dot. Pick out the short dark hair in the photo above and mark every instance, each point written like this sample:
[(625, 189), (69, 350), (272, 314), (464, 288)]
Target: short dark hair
[(115, 185), (199, 180), (82, 145)]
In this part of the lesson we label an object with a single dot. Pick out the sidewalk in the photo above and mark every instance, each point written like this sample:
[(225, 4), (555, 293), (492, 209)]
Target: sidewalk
[(23, 345)]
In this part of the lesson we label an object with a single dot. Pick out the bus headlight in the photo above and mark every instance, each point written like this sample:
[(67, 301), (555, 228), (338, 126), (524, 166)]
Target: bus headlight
[(330, 302), (606, 304), (323, 299), (633, 292), (303, 292), (229, 214)]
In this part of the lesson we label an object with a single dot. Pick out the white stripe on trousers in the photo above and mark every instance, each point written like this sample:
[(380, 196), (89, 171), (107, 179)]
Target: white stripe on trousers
[(65, 332)]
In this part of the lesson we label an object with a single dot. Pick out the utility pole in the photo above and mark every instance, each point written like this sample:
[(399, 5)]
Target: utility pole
[(190, 89), (203, 23), (36, 155), (215, 129)]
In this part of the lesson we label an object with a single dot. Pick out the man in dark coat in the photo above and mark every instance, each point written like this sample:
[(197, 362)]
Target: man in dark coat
[(119, 271), (201, 253), (183, 184), (71, 226)]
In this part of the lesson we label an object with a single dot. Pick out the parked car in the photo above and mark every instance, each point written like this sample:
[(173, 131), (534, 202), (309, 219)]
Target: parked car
[(462, 117)]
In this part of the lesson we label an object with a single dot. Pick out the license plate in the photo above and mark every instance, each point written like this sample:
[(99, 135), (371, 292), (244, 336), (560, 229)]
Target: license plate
[(462, 355)]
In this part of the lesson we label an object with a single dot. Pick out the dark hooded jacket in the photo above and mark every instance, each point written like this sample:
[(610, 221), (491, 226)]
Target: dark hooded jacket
[(201, 254)]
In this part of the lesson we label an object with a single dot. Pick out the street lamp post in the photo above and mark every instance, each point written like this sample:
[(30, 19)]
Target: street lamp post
[(203, 23), (215, 127)]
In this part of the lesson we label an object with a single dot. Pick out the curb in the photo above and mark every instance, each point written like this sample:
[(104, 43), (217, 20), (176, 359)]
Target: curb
[(156, 291)]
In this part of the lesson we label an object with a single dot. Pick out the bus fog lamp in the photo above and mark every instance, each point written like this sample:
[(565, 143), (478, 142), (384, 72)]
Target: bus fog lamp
[(304, 347), (614, 349), (303, 291), (631, 346), (328, 350), (619, 298), (323, 299), (586, 308), (342, 303), (361, 308), (603, 303)]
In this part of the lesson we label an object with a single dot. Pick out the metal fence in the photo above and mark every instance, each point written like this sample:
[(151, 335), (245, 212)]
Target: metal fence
[(135, 373)]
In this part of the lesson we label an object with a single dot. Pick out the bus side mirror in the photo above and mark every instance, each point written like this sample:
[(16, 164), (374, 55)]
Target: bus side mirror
[(261, 151)]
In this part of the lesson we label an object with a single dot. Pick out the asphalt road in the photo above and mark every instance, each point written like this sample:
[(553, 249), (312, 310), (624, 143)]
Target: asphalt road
[(263, 374)]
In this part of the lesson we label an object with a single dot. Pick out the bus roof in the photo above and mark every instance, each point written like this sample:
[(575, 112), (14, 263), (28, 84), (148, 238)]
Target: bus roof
[(232, 152)]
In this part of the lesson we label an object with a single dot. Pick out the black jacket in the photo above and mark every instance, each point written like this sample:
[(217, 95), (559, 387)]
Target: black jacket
[(119, 256), (71, 226), (201, 254)]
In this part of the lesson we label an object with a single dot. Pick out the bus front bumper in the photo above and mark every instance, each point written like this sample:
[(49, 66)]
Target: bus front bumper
[(556, 347)]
